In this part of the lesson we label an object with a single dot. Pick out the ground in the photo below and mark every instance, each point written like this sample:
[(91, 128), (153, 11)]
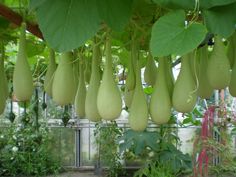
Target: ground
[(75, 174)]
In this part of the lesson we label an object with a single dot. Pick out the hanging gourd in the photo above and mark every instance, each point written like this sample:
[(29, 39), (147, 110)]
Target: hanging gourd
[(63, 87), (75, 71), (150, 72), (231, 49), (50, 73), (109, 101), (205, 90), (91, 110), (130, 80), (2, 87), (169, 75), (184, 94), (22, 76), (3, 76), (81, 91), (218, 71), (87, 71), (160, 103), (232, 56), (138, 115)]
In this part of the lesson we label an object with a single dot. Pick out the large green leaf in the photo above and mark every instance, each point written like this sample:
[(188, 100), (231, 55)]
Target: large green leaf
[(115, 13), (171, 36), (34, 4), (139, 140), (190, 4), (212, 3), (221, 20), (67, 24), (173, 4)]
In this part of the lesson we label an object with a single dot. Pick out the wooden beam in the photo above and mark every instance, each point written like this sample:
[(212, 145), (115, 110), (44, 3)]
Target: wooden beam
[(17, 19)]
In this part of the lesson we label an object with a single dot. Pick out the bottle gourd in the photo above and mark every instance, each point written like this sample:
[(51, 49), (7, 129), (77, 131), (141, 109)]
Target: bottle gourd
[(63, 87), (3, 91), (169, 75), (205, 90), (91, 110), (130, 80), (218, 71), (22, 76), (109, 97), (138, 115), (231, 52), (50, 73), (160, 103), (81, 92), (184, 94), (150, 72)]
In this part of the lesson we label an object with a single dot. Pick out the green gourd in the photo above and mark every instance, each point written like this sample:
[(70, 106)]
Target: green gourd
[(184, 94), (150, 72), (169, 75), (160, 103), (2, 88), (87, 71), (205, 90), (22, 76), (91, 110), (130, 81), (81, 92), (75, 72), (3, 76), (128, 96), (218, 71), (109, 97), (232, 84), (138, 115), (63, 87), (231, 49), (50, 73)]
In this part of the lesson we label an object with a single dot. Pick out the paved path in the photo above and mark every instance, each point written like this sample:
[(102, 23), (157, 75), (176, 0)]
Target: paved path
[(75, 174)]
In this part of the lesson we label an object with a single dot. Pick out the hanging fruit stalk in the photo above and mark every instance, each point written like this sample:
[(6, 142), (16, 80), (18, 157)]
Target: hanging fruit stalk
[(160, 103), (91, 109), (109, 101), (184, 94), (138, 116), (50, 73), (22, 76), (81, 91), (63, 87)]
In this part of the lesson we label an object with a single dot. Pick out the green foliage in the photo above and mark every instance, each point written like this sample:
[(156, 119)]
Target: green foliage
[(66, 19), (171, 36), (154, 170), (106, 135), (25, 151), (118, 14), (157, 151), (215, 19)]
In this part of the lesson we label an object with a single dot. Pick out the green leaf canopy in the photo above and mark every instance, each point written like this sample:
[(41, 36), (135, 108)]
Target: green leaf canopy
[(170, 35)]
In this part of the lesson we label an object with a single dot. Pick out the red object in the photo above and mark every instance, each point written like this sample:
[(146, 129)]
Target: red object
[(17, 19)]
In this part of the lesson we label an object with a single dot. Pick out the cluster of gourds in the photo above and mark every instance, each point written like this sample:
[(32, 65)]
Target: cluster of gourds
[(102, 99)]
